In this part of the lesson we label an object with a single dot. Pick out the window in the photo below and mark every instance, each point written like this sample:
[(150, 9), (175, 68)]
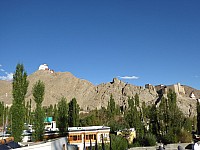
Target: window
[(87, 137), (91, 136), (70, 138), (74, 137), (79, 137), (95, 137)]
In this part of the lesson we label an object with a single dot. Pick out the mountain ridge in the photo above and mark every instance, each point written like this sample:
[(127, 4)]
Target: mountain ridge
[(90, 96)]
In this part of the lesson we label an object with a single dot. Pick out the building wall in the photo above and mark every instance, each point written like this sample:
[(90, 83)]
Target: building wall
[(178, 89), (52, 145)]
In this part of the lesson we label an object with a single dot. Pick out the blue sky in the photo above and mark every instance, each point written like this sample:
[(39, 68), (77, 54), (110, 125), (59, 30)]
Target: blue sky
[(145, 41)]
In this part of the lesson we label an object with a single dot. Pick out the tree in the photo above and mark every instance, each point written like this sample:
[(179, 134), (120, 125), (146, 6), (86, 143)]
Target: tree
[(115, 140), (2, 108), (153, 116), (38, 94), (198, 118), (28, 117), (170, 118), (73, 113), (163, 116), (62, 116), (20, 85), (55, 112), (30, 112), (133, 116), (137, 100), (111, 108)]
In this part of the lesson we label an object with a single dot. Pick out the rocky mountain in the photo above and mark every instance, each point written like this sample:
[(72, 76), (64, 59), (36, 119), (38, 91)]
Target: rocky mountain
[(89, 96)]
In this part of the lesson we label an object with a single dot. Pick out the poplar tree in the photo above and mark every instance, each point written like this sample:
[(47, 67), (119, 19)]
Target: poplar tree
[(30, 112), (62, 116), (55, 112), (163, 116), (170, 118), (137, 100), (1, 113), (198, 117), (26, 119), (38, 94), (133, 116), (153, 116), (73, 113), (111, 109), (19, 90)]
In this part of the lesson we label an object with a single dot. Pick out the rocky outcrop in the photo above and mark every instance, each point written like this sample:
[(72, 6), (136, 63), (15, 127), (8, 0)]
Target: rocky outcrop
[(120, 92)]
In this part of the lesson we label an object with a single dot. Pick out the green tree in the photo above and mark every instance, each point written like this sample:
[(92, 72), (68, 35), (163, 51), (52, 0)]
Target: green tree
[(62, 116), (49, 111), (102, 115), (28, 112), (133, 116), (1, 113), (163, 116), (19, 90), (55, 112), (73, 113), (137, 100), (111, 109), (153, 116), (115, 140), (198, 117), (170, 118), (38, 94)]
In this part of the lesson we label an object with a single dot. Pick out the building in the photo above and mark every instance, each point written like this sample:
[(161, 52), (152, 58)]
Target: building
[(81, 136), (43, 67), (177, 88), (129, 134), (49, 124), (54, 144), (192, 95)]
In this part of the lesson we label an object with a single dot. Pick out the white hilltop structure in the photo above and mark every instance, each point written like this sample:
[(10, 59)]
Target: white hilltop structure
[(192, 95), (45, 67)]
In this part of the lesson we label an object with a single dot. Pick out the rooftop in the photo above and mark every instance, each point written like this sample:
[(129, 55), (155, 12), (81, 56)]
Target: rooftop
[(90, 128)]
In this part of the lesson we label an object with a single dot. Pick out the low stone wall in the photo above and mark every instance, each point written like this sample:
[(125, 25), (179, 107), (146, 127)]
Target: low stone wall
[(167, 147)]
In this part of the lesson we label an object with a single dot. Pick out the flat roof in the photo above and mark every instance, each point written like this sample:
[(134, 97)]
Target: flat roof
[(89, 128)]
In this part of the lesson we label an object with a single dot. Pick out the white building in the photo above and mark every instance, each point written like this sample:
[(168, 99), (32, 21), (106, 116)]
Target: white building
[(192, 95), (82, 135), (43, 67)]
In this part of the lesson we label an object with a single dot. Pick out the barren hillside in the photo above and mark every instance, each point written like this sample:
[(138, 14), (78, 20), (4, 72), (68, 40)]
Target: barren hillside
[(89, 96)]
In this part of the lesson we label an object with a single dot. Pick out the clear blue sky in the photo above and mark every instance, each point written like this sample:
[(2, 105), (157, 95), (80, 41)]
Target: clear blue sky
[(149, 41)]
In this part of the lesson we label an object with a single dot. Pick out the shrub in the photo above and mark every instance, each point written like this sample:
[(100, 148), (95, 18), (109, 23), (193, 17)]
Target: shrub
[(169, 138), (116, 139), (184, 137), (149, 140)]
